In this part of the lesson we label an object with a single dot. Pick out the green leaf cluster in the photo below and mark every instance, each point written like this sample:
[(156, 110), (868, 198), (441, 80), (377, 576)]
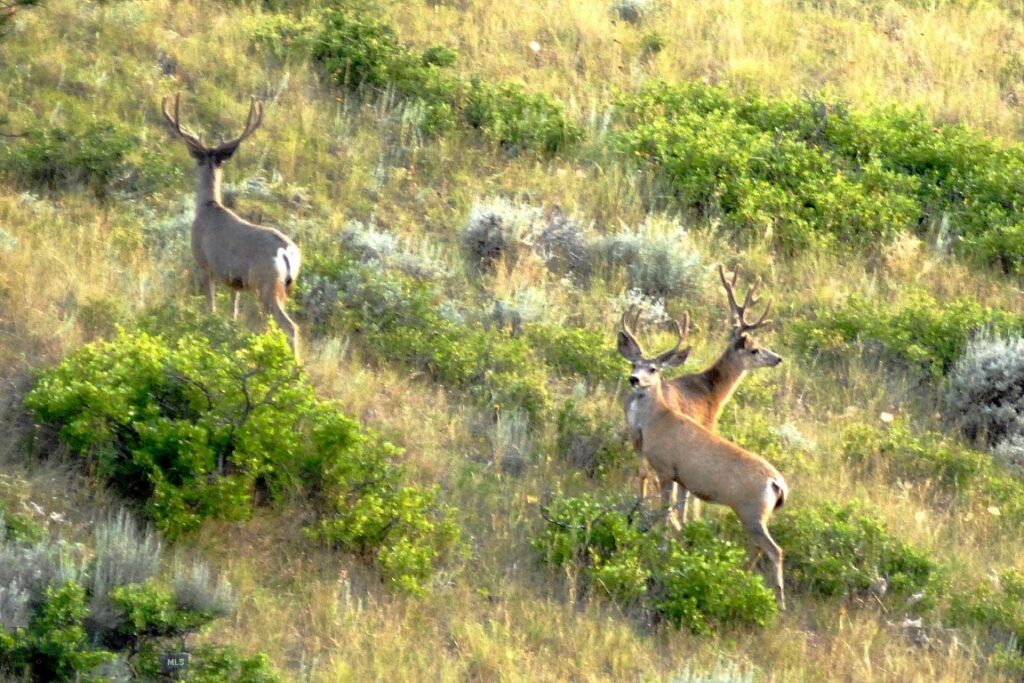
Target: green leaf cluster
[(841, 550), (697, 581), (360, 52), (191, 430), (919, 331), (810, 172)]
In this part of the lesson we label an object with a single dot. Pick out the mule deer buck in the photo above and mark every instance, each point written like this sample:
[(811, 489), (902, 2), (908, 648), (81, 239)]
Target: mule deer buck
[(703, 395), (227, 248), (683, 452)]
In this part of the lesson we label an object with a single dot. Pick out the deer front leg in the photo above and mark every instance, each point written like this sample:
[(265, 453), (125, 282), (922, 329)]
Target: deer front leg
[(207, 284), (234, 304)]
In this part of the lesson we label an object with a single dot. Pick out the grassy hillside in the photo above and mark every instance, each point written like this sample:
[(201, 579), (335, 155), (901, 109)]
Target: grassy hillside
[(864, 158)]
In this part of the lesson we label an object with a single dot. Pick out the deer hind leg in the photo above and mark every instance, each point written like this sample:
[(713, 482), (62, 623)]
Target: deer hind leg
[(694, 508), (273, 303), (234, 304), (666, 500), (762, 541)]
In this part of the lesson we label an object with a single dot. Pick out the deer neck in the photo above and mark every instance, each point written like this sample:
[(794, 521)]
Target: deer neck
[(724, 376), (208, 181), (647, 403)]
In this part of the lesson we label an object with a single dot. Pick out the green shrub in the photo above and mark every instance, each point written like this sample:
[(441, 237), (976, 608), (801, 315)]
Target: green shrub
[(574, 351), (398, 317), (997, 612), (921, 332), (18, 528), (697, 581), (190, 429), (515, 119), (359, 51), (968, 475), (805, 172), (590, 444), (54, 646), (97, 155), (69, 614), (841, 550), (719, 155), (183, 428)]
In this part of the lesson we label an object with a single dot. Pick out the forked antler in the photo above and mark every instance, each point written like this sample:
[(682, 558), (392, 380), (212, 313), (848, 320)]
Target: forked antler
[(252, 122), (739, 321), (681, 331), (628, 328), (190, 138)]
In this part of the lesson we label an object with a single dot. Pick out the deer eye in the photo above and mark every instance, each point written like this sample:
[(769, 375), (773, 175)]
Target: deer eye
[(756, 351), (653, 369)]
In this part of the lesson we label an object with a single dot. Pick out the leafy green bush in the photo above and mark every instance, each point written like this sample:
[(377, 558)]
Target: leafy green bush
[(510, 116), (360, 51), (190, 429), (840, 550), (97, 155), (590, 444), (697, 581), (399, 318), (18, 528), (805, 172), (574, 351), (998, 612), (55, 645), (970, 476), (66, 614), (186, 429), (921, 331), (722, 154)]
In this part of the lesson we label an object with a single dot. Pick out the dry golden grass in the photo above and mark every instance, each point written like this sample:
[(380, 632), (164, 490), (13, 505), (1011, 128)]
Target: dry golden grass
[(496, 615)]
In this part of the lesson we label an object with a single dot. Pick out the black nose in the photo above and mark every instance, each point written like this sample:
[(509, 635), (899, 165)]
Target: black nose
[(633, 381)]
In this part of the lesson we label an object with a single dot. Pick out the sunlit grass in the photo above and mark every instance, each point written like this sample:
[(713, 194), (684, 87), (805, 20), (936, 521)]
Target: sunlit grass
[(497, 614)]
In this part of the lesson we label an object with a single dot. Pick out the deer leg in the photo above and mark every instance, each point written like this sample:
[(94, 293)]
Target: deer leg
[(208, 286), (666, 500), (682, 498), (273, 299), (234, 304), (694, 509), (762, 541)]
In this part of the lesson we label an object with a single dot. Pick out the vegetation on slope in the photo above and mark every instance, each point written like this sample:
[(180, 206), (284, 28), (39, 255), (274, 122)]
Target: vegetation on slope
[(494, 369)]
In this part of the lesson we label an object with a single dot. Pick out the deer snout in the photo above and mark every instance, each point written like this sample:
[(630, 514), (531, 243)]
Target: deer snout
[(633, 380)]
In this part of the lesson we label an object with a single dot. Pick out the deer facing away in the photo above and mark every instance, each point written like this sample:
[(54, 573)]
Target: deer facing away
[(227, 248), (683, 452), (703, 395)]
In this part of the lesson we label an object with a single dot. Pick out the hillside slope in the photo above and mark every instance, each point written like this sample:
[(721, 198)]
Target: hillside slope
[(484, 351)]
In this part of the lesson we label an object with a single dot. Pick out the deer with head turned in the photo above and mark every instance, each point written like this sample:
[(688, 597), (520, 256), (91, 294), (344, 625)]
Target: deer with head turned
[(227, 248), (683, 452), (703, 395)]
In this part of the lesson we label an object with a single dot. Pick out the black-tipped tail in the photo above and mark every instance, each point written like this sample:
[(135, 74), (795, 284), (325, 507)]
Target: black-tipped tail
[(780, 494)]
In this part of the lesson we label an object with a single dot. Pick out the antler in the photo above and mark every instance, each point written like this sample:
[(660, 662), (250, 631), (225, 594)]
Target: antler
[(627, 327), (682, 331), (190, 138), (739, 321), (252, 122)]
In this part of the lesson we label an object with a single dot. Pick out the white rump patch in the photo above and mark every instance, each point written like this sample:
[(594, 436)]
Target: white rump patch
[(287, 263)]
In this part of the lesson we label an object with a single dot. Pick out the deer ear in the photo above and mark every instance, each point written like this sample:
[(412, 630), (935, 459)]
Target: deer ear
[(672, 359), (628, 348)]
